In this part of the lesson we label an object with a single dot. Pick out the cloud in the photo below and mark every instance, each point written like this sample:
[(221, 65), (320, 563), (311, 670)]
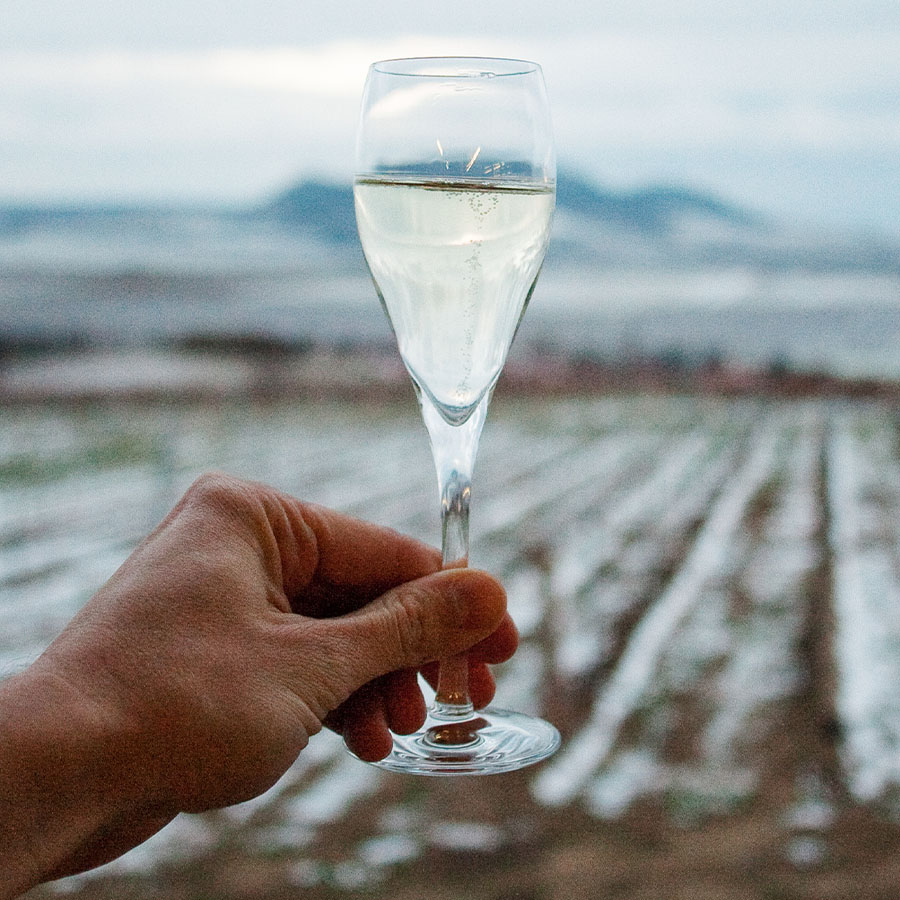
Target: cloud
[(696, 89), (233, 122)]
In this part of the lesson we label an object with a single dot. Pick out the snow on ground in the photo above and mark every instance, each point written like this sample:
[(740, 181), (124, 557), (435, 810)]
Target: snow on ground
[(657, 551)]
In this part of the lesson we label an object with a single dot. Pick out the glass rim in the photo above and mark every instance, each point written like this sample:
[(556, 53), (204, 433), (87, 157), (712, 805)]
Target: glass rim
[(478, 67)]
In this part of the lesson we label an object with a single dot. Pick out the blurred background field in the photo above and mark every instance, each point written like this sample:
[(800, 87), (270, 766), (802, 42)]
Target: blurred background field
[(690, 476), (689, 483), (707, 590)]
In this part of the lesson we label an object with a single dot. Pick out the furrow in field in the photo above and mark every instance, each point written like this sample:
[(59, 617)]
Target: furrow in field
[(866, 596), (565, 776), (632, 557), (701, 734)]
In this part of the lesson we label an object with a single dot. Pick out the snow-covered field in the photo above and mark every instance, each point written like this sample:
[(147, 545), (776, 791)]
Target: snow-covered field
[(708, 593)]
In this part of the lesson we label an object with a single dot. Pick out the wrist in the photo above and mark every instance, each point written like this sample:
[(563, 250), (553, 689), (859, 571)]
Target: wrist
[(64, 767)]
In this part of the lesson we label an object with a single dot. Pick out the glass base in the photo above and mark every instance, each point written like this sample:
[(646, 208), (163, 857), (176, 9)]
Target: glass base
[(490, 742)]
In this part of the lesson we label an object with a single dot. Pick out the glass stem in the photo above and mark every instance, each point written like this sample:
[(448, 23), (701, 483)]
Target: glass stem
[(454, 448)]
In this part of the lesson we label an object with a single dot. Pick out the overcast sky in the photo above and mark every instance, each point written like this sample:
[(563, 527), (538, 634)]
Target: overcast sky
[(790, 108)]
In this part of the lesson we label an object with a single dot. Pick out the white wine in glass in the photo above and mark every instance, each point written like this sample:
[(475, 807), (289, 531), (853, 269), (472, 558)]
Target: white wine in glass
[(455, 188)]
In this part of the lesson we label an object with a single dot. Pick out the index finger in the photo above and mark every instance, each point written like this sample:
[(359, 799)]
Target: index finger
[(354, 561)]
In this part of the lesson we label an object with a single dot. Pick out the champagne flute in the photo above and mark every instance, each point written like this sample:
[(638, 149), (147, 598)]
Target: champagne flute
[(454, 192)]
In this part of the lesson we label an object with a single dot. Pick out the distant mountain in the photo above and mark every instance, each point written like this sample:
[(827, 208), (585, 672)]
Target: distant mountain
[(25, 218), (661, 226), (327, 209), (653, 209)]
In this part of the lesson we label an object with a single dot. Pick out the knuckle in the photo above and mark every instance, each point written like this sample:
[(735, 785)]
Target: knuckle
[(408, 625), (219, 492)]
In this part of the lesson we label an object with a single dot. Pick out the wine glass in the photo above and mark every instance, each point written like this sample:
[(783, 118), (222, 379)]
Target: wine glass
[(454, 191)]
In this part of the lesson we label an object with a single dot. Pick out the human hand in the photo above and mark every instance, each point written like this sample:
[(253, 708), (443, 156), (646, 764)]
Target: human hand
[(244, 622)]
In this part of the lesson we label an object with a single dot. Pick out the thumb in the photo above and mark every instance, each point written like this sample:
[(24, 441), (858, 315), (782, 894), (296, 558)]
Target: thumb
[(418, 622)]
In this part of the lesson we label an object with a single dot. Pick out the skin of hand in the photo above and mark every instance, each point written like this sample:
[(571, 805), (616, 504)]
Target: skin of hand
[(197, 674)]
